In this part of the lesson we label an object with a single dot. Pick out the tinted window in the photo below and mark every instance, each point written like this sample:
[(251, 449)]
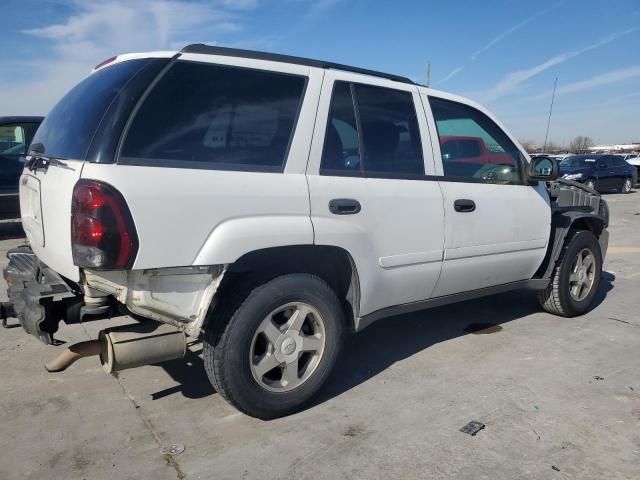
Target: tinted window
[(69, 127), (618, 161), (341, 144), (15, 138), (386, 130), (579, 161), (213, 116), (473, 146)]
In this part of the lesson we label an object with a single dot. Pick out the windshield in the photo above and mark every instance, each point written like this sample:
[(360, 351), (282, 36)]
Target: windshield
[(69, 127), (578, 161)]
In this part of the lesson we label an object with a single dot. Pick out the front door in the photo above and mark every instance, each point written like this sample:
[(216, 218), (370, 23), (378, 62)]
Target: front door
[(369, 191), (496, 225)]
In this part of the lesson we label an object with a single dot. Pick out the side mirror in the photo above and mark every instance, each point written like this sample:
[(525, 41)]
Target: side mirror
[(543, 168)]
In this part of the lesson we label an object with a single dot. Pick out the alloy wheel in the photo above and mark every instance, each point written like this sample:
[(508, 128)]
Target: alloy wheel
[(287, 347), (582, 275)]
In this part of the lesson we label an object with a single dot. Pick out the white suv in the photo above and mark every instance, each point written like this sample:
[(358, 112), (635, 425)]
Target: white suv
[(271, 204)]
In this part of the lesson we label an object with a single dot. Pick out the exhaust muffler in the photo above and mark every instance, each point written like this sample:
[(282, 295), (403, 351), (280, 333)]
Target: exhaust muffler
[(138, 344), (127, 346)]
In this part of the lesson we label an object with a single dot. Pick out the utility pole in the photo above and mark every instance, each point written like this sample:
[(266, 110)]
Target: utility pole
[(546, 135), (428, 72)]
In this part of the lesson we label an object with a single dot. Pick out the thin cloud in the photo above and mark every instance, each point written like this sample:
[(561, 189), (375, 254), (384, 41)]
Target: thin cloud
[(497, 39), (512, 80), (95, 31), (608, 78), (452, 74)]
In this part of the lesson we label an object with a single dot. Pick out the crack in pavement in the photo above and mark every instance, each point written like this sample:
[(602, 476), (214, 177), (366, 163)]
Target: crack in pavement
[(147, 423), (150, 427)]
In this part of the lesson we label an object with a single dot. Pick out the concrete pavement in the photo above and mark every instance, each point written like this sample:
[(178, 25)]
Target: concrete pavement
[(560, 398)]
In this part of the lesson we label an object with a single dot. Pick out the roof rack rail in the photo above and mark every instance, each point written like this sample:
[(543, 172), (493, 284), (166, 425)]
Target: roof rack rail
[(274, 57)]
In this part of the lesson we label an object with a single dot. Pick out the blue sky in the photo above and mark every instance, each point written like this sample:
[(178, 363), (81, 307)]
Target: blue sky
[(503, 54)]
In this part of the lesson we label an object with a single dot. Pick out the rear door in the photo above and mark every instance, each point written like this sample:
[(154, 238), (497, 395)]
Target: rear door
[(56, 159), (607, 176), (496, 225), (369, 191), (621, 169)]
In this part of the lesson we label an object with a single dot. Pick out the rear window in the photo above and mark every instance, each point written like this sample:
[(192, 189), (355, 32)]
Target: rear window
[(218, 117), (69, 127)]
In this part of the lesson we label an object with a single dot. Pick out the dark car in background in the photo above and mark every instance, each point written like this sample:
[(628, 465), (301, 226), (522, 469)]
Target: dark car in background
[(15, 136), (600, 172)]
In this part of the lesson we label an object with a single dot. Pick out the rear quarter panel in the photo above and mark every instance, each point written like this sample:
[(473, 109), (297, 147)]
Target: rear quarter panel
[(186, 216)]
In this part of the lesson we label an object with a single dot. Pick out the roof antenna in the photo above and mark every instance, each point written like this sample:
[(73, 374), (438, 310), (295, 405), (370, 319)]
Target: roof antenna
[(428, 73), (546, 135)]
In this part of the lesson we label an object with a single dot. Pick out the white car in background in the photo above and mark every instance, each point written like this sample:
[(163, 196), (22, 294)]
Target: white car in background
[(634, 159)]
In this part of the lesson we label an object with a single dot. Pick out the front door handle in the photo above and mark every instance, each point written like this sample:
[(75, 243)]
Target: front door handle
[(464, 205), (344, 206)]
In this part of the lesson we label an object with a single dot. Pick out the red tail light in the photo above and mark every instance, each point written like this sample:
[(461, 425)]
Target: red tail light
[(103, 235)]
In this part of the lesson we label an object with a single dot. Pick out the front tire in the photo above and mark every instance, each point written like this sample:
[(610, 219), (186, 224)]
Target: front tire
[(576, 277), (269, 349), (626, 185), (591, 184)]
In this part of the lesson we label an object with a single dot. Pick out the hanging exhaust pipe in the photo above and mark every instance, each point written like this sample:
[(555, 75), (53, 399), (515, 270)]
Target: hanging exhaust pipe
[(127, 346), (73, 353)]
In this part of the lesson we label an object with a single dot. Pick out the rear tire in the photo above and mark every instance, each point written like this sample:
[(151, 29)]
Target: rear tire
[(591, 184), (576, 277), (627, 184), (269, 349)]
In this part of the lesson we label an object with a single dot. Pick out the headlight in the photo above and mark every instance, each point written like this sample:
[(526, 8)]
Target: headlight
[(573, 176)]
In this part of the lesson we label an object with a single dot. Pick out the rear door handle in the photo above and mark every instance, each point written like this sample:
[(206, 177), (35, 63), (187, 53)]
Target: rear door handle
[(344, 206), (464, 205)]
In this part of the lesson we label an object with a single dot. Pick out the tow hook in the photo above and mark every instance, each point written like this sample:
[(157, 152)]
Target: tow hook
[(6, 311)]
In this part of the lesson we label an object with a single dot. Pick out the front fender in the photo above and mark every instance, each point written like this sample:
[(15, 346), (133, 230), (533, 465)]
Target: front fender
[(235, 237), (561, 223)]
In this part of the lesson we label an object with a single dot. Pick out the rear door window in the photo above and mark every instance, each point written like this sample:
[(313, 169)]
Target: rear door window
[(69, 127), (215, 116), (372, 131)]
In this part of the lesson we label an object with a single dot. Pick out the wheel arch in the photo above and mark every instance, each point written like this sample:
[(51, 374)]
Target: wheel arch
[(332, 264), (562, 223)]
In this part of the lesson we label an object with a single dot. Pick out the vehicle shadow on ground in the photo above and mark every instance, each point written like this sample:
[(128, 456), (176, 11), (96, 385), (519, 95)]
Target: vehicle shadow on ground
[(387, 341), (11, 229)]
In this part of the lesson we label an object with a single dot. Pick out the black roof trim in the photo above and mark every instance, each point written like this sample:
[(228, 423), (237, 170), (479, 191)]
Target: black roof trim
[(274, 57)]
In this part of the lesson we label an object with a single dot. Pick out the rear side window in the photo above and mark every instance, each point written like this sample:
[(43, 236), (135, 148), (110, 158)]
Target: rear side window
[(213, 116), (69, 127), (372, 131)]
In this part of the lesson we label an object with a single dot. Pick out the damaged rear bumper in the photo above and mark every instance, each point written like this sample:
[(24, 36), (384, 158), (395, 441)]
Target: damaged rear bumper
[(39, 295)]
